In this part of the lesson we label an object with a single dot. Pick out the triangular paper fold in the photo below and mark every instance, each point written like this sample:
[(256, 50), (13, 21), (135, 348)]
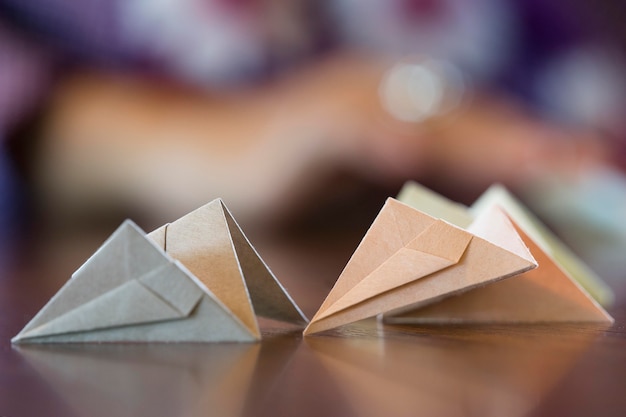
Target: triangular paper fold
[(408, 258), (546, 294), (130, 303), (131, 290), (408, 264), (210, 243), (546, 240)]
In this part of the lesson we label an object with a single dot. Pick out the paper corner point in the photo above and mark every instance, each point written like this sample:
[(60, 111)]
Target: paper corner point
[(128, 223)]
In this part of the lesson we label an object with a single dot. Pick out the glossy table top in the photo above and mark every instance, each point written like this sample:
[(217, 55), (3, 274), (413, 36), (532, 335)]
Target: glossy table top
[(365, 369)]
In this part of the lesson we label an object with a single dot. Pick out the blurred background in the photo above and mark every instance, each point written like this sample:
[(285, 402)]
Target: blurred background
[(305, 115)]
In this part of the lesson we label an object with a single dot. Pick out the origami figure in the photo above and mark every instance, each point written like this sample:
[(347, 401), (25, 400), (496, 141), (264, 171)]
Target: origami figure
[(195, 280), (408, 259), (553, 292)]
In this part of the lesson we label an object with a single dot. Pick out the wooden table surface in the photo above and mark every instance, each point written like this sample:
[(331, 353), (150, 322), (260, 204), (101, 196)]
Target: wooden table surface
[(364, 369)]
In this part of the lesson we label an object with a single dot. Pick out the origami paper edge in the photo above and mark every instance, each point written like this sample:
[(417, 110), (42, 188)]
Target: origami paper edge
[(448, 262), (531, 264), (284, 291), (17, 339)]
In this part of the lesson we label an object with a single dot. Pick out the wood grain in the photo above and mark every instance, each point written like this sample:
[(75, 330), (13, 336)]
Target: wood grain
[(363, 369)]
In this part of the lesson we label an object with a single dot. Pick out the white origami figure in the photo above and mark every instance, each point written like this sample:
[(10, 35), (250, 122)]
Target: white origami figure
[(195, 280)]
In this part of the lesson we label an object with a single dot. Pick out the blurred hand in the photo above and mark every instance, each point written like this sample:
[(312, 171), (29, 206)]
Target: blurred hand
[(120, 140)]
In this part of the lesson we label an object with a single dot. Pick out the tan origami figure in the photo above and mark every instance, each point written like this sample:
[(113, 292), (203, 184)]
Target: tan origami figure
[(557, 291), (408, 259), (197, 280)]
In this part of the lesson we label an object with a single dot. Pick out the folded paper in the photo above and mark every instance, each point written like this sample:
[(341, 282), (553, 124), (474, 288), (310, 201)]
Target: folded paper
[(556, 291), (210, 244), (131, 290), (408, 259)]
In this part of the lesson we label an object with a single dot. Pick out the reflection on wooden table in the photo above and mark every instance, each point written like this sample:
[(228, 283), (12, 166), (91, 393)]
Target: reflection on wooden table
[(466, 371), (363, 369), (375, 371)]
